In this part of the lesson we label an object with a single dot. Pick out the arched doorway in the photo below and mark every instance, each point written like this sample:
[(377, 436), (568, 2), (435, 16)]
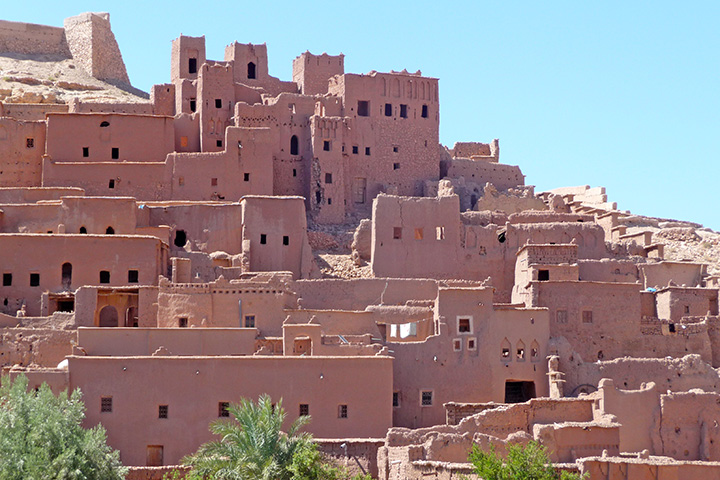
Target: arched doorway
[(66, 275), (109, 231), (108, 317), (131, 317)]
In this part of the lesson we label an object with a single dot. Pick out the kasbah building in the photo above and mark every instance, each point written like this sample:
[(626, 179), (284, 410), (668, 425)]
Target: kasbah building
[(236, 234)]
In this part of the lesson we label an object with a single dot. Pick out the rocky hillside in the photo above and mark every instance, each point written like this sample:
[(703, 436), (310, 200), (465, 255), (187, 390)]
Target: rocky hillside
[(52, 79)]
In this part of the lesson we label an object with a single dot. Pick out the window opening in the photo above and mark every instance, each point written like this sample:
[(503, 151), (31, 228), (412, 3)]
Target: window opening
[(30, 143), (193, 105), (86, 152), (328, 178), (182, 322), (115, 153), (424, 111), (396, 166), (246, 177), (111, 183), (218, 143), (388, 109), (587, 316), (106, 404), (104, 276), (34, 279), (180, 238), (251, 70), (249, 321), (192, 65), (133, 276), (162, 411), (223, 409), (294, 145), (363, 108), (218, 103), (104, 124), (440, 233), (7, 279), (543, 275), (367, 151), (418, 234), (263, 239), (397, 233), (342, 411), (304, 409), (426, 398), (213, 182), (326, 145), (464, 325), (83, 230), (403, 111), (286, 240), (396, 399), (66, 275)]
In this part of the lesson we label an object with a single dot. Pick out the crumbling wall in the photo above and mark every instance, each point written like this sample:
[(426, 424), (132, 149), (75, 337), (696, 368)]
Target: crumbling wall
[(32, 39), (94, 47)]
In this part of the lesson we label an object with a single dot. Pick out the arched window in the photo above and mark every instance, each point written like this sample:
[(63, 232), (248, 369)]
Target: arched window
[(109, 231), (294, 147), (180, 238), (66, 275), (251, 70), (83, 230)]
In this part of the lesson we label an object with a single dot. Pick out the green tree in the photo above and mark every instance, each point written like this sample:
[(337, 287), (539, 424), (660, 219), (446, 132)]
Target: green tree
[(41, 437), (252, 446), (530, 462)]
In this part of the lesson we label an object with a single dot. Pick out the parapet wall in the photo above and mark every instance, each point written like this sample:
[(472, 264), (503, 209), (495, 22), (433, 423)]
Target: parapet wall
[(32, 39)]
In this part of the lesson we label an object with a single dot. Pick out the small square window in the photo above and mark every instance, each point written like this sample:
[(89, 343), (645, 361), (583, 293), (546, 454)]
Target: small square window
[(182, 322), (115, 153), (329, 200), (388, 109), (111, 183), (162, 411), (363, 108), (367, 151), (263, 239), (286, 240), (104, 276), (403, 111), (106, 404), (294, 172), (223, 409), (396, 399), (218, 103), (133, 276), (218, 143), (397, 233), (249, 321), (86, 152), (7, 279), (356, 149), (342, 411), (440, 233), (246, 177), (396, 149), (457, 345), (213, 182), (561, 316), (396, 166), (30, 142), (193, 105), (34, 279), (328, 178), (304, 409), (543, 275), (587, 316), (424, 111), (426, 398), (471, 344), (418, 234), (464, 325), (326, 145)]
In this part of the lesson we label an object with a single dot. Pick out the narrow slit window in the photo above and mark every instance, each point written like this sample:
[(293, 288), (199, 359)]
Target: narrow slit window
[(286, 240), (223, 409), (403, 111), (86, 152), (246, 177), (263, 239), (424, 111)]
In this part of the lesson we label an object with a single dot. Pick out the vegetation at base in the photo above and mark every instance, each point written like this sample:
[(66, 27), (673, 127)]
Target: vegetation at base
[(252, 446), (41, 437), (529, 462)]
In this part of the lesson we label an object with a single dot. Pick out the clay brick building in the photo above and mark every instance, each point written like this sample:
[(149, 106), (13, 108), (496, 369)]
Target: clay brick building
[(171, 254)]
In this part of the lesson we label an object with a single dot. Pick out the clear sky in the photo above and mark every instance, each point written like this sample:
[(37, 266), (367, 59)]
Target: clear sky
[(614, 93)]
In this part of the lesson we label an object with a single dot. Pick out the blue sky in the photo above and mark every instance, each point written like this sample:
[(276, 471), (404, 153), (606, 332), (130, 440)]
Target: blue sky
[(619, 94)]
